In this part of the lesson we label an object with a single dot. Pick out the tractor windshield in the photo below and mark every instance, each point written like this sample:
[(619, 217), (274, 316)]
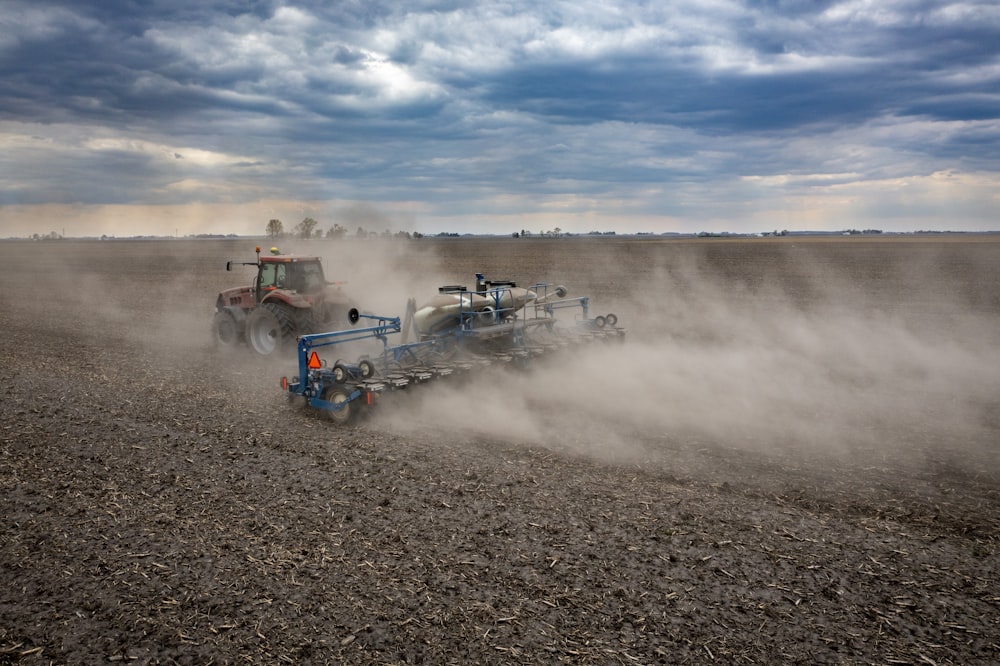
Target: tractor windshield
[(302, 276), (309, 276)]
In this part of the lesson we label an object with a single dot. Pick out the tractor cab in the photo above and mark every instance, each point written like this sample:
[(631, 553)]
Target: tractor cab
[(303, 275)]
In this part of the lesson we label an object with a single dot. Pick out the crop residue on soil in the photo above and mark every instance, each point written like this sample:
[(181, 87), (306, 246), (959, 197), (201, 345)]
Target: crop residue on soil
[(791, 459)]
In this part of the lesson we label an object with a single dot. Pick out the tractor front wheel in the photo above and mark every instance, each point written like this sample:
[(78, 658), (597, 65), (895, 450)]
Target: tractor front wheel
[(270, 328), (225, 330)]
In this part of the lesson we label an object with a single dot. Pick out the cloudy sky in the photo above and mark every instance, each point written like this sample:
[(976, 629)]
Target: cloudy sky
[(214, 116)]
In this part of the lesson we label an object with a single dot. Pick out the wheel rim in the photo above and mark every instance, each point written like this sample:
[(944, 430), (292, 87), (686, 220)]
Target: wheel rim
[(342, 415), (264, 335)]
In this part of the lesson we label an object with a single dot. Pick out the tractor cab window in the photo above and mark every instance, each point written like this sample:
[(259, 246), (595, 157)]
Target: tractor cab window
[(304, 277), (272, 276), (310, 277)]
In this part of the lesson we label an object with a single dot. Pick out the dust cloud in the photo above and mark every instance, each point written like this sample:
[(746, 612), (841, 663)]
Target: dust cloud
[(873, 358), (713, 362)]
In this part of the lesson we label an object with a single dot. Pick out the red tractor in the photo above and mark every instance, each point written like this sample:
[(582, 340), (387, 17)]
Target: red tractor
[(290, 297)]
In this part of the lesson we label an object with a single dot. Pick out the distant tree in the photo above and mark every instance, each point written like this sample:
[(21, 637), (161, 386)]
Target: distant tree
[(336, 231), (361, 233), (275, 229), (305, 228)]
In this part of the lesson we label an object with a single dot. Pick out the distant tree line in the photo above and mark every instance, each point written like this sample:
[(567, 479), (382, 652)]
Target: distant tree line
[(309, 228), (552, 233), (52, 235)]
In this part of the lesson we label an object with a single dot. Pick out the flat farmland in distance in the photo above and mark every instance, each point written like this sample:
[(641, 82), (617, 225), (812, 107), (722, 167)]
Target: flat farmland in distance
[(794, 458)]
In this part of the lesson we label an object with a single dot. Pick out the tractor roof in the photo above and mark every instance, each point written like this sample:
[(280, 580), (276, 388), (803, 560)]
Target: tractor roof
[(285, 258)]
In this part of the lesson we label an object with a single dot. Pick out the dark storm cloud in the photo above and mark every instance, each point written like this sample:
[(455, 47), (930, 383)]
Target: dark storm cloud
[(853, 79), (723, 103), (448, 103)]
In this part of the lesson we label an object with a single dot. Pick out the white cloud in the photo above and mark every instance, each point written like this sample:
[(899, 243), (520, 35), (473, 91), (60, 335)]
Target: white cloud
[(162, 152), (981, 14)]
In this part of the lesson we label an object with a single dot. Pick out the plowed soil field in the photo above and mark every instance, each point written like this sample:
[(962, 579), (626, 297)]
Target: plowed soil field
[(794, 458)]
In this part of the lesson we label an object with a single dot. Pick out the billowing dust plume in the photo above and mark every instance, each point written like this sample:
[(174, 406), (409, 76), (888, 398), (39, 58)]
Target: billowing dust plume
[(801, 359), (712, 362)]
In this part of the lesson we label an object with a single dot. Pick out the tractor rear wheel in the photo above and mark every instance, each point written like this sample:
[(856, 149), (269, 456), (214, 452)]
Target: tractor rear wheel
[(338, 396), (225, 331), (270, 328)]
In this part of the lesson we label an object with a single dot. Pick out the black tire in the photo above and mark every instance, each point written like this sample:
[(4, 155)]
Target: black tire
[(600, 321), (612, 320), (270, 329), (367, 369), (338, 395), (225, 331), (339, 373)]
